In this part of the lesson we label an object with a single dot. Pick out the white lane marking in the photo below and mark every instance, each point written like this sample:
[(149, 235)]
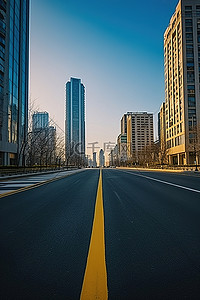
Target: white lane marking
[(165, 182)]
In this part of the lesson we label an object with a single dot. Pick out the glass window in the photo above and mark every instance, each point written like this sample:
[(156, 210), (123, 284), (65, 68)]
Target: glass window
[(189, 53), (198, 37), (188, 14), (191, 89), (190, 77), (191, 113), (189, 37), (188, 29), (188, 22), (191, 101)]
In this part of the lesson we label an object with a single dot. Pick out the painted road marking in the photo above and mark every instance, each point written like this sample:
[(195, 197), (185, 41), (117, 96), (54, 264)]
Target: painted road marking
[(166, 182), (95, 278)]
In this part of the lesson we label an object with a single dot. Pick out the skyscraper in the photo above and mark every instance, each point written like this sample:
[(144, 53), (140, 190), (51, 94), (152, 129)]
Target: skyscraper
[(75, 118), (14, 65), (182, 78)]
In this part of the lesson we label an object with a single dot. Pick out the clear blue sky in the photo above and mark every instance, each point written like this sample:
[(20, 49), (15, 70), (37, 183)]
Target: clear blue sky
[(114, 46)]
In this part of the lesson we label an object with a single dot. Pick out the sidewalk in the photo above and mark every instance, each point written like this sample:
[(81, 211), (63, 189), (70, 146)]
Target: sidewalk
[(6, 177), (14, 185), (189, 172)]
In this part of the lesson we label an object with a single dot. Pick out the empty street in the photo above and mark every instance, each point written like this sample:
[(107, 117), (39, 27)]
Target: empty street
[(134, 234)]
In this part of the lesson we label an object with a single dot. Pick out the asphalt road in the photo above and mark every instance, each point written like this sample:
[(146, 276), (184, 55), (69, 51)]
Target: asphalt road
[(152, 236)]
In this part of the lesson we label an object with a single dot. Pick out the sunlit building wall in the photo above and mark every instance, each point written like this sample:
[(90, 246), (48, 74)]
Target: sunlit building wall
[(182, 77)]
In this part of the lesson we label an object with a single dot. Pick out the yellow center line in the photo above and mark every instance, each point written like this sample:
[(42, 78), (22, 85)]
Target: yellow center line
[(95, 278)]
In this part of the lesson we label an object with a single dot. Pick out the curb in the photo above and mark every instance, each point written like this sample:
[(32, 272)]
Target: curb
[(158, 170)]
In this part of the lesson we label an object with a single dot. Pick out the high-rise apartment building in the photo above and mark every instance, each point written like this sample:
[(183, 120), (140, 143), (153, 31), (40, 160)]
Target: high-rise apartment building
[(75, 118), (139, 133), (14, 65), (182, 78)]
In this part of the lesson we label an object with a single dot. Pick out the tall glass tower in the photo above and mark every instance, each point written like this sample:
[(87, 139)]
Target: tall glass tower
[(75, 118), (14, 64)]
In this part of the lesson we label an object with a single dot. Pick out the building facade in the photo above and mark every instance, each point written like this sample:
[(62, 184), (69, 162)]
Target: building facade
[(75, 118), (14, 69), (182, 78), (139, 134)]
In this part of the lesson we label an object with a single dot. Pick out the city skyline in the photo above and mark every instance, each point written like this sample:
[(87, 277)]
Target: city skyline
[(111, 58)]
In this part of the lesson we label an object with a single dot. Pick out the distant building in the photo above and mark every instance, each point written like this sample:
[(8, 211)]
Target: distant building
[(40, 120), (182, 83), (52, 145), (101, 158), (43, 140), (14, 71), (122, 148), (113, 156), (94, 160), (75, 118), (139, 134), (90, 163)]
